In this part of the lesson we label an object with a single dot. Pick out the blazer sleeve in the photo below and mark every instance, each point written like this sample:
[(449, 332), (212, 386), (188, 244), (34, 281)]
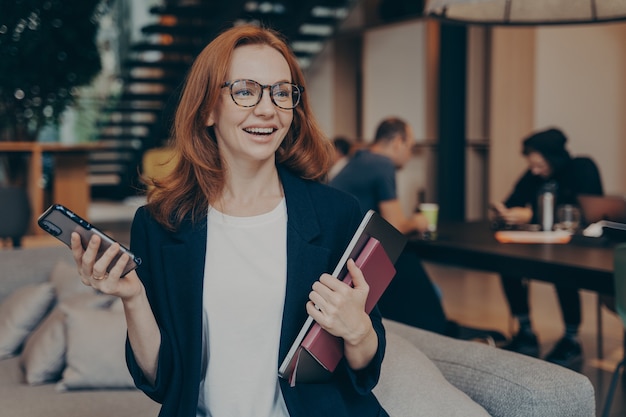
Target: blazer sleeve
[(140, 247), (364, 380)]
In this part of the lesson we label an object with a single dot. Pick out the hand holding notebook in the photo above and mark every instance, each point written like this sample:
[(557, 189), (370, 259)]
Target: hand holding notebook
[(378, 272), (339, 306), (375, 246)]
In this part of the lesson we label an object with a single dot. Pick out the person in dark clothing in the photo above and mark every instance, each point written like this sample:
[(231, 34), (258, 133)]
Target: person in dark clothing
[(549, 162)]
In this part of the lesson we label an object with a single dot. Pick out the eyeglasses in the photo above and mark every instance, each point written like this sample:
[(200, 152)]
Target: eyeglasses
[(248, 93)]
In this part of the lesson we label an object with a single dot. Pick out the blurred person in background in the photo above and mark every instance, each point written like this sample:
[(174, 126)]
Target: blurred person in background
[(549, 164), (370, 175), (342, 148)]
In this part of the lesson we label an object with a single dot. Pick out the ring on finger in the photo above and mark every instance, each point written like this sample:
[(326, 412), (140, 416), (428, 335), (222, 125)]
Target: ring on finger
[(101, 277)]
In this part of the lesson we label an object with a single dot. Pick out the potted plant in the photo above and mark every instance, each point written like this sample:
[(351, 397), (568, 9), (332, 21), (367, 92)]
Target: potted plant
[(47, 49)]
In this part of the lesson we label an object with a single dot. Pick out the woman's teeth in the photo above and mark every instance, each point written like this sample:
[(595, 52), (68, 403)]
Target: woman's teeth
[(260, 130)]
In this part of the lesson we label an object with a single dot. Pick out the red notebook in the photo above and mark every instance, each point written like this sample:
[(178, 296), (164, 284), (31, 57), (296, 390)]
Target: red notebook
[(320, 352)]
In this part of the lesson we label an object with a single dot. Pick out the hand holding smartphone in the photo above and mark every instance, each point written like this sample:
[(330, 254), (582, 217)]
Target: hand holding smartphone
[(60, 222)]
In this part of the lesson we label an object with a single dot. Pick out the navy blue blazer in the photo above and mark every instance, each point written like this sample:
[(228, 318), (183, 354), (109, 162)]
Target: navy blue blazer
[(321, 221)]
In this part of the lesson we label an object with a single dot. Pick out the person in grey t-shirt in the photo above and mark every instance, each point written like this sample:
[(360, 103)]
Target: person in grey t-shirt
[(370, 175)]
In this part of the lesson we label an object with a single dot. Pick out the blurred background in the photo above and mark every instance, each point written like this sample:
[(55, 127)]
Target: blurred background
[(88, 87)]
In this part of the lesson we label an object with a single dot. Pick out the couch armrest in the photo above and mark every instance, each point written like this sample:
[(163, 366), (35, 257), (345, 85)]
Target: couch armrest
[(506, 384)]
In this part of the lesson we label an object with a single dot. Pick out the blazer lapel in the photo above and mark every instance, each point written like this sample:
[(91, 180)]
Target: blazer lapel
[(183, 263), (303, 257)]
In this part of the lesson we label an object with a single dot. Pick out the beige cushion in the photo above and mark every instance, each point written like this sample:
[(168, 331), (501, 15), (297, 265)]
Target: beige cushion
[(412, 386), (20, 313), (43, 356), (95, 355)]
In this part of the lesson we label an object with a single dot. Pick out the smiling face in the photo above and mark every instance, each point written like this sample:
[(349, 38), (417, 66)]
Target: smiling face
[(252, 134)]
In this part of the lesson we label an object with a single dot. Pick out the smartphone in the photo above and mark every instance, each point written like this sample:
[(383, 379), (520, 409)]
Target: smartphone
[(60, 222)]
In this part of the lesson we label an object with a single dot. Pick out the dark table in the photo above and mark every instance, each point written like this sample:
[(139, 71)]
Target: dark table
[(473, 245)]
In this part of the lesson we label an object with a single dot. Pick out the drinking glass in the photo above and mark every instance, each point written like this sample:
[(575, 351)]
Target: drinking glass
[(568, 218)]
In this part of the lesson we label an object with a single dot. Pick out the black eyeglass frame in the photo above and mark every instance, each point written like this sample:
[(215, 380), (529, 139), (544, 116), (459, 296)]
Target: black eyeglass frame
[(297, 87)]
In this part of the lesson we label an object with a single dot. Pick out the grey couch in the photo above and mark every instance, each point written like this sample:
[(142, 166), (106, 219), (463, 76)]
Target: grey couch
[(424, 374)]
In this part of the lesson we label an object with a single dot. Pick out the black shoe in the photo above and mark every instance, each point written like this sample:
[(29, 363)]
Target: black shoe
[(524, 343), (567, 353)]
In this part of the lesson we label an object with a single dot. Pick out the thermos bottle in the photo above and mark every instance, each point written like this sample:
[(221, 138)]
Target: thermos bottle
[(546, 204)]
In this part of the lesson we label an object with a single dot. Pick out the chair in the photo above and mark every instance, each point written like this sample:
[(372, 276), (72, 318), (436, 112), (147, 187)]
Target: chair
[(619, 274), (15, 213), (158, 162)]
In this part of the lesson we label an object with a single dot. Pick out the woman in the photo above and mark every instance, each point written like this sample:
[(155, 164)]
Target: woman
[(549, 163), (235, 245)]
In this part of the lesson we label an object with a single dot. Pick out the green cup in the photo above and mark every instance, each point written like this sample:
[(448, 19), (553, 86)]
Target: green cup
[(430, 211)]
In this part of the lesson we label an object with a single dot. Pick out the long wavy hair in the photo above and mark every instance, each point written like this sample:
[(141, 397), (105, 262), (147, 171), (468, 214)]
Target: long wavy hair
[(198, 176)]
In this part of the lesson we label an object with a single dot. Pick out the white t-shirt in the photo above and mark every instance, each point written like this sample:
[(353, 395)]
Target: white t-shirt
[(244, 291)]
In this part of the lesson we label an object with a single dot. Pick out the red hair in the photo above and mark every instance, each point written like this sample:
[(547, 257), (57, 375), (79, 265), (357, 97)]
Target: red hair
[(198, 177)]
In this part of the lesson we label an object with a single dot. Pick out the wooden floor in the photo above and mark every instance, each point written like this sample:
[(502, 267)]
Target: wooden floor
[(476, 299)]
